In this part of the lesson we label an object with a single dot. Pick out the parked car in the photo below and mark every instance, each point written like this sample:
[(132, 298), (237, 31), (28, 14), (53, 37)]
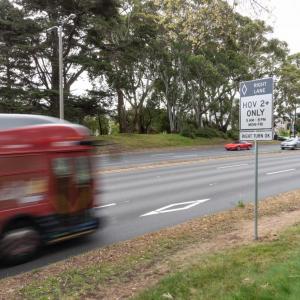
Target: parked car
[(292, 143), (238, 145)]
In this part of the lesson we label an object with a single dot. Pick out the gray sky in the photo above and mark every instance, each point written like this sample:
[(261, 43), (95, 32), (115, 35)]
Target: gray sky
[(282, 15), (286, 22)]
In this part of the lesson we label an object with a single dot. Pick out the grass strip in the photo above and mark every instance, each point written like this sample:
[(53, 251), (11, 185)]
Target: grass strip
[(76, 283), (93, 274), (150, 141), (269, 270)]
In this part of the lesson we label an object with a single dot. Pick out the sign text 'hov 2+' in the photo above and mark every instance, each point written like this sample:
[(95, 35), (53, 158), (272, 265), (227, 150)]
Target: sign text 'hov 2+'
[(256, 109)]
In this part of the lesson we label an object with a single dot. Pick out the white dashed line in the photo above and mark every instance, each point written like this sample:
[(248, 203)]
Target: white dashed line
[(282, 171), (162, 154), (107, 205), (233, 166)]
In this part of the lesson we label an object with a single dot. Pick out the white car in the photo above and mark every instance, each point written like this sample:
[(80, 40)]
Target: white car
[(292, 143)]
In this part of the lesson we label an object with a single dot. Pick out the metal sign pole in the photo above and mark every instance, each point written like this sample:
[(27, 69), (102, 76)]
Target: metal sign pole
[(256, 122), (256, 193)]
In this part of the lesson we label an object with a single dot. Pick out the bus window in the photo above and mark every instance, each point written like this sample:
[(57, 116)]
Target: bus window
[(62, 167), (82, 171)]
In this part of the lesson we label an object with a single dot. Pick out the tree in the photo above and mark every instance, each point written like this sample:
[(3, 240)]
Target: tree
[(287, 95), (129, 62), (16, 70), (78, 49)]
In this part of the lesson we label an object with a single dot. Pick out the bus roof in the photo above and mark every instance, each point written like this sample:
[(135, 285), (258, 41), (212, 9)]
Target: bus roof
[(10, 121), (40, 134)]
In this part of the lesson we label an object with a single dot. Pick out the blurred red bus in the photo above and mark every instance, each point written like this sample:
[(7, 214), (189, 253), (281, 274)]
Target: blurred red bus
[(46, 184)]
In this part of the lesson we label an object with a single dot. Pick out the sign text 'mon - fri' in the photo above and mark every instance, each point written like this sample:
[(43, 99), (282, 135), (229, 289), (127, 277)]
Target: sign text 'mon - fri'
[(256, 104)]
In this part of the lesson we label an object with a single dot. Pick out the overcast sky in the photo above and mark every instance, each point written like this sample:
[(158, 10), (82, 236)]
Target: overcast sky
[(283, 16), (286, 22)]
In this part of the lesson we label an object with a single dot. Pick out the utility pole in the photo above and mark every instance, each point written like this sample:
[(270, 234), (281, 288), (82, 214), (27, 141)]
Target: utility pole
[(59, 29), (60, 66)]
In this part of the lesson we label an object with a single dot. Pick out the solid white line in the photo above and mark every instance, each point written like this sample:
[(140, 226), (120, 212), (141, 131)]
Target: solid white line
[(233, 166), (283, 171), (107, 205)]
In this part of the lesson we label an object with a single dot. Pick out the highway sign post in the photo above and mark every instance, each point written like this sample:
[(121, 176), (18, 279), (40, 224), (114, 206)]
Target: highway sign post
[(256, 121)]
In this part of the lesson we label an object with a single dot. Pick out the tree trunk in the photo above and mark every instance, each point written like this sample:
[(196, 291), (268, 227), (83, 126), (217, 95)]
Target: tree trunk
[(136, 120), (99, 123), (171, 118), (121, 112)]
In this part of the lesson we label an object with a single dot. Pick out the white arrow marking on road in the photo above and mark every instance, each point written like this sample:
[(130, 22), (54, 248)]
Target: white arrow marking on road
[(283, 171), (167, 209)]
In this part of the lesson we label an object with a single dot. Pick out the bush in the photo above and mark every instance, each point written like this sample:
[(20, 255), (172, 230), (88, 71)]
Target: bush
[(233, 134), (283, 132), (208, 132), (188, 131)]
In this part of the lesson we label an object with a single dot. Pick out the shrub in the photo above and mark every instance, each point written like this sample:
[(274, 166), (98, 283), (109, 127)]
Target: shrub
[(283, 132), (233, 134), (208, 132), (189, 131), (240, 204)]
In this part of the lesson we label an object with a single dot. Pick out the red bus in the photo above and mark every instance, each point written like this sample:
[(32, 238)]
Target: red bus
[(46, 184)]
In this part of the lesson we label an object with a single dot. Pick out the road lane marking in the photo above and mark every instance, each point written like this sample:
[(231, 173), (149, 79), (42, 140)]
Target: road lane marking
[(282, 171), (162, 154), (233, 166), (166, 209), (171, 163), (187, 155), (107, 205)]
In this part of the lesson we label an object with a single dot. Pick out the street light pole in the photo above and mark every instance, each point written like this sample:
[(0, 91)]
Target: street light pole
[(60, 67), (61, 62)]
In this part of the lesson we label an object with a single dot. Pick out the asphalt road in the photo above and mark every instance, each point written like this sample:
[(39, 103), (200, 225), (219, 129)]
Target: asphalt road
[(138, 158), (143, 200)]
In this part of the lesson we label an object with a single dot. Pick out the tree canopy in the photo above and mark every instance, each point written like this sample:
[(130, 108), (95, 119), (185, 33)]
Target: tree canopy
[(153, 65)]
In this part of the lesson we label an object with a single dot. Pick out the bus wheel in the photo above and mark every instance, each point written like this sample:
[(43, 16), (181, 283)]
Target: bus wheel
[(19, 244)]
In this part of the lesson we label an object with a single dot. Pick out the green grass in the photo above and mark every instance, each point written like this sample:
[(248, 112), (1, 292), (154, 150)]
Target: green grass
[(72, 283), (75, 283), (269, 270), (240, 204), (143, 141), (260, 271)]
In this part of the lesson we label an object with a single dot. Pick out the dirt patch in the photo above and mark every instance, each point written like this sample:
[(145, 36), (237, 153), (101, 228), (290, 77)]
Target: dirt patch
[(188, 241)]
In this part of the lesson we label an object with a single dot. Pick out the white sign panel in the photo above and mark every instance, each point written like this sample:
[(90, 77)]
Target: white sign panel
[(256, 108), (256, 112), (264, 135)]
